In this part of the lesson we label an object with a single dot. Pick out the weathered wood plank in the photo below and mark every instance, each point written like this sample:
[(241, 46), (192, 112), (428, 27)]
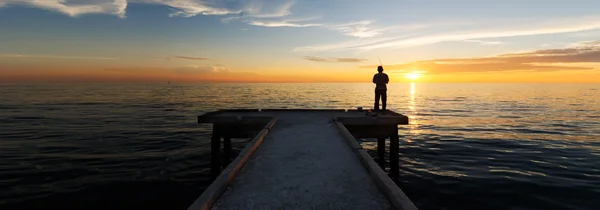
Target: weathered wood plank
[(214, 191), (383, 181)]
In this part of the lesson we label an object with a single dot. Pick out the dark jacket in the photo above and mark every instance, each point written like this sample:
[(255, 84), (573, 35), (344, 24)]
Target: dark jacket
[(381, 79)]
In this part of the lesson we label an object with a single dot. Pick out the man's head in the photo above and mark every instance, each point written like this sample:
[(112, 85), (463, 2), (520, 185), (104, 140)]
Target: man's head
[(380, 69)]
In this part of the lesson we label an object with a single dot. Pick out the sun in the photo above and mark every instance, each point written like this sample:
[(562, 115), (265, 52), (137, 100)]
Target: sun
[(414, 75)]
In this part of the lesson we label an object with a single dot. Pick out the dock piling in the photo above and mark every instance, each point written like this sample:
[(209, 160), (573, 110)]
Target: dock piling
[(394, 155), (381, 152), (226, 150), (215, 150)]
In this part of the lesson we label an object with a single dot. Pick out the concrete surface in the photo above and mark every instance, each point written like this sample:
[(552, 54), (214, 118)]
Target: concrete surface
[(303, 163), (320, 112)]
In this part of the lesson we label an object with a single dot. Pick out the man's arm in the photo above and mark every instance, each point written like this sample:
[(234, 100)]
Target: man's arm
[(374, 76), (387, 79)]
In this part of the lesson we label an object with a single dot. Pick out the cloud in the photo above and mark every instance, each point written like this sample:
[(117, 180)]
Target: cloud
[(477, 31), (229, 19), (484, 42), (365, 28), (338, 60), (190, 8), (348, 45), (282, 23), (186, 70), (22, 56), (254, 12), (587, 44), (201, 70), (358, 29), (75, 8), (259, 13), (188, 58), (586, 34), (183, 8), (540, 60), (258, 9)]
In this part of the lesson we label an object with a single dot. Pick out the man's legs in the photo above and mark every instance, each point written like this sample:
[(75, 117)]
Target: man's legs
[(383, 99), (376, 100)]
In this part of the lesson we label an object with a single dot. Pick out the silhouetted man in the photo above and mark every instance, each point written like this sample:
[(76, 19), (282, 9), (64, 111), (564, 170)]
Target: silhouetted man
[(380, 79)]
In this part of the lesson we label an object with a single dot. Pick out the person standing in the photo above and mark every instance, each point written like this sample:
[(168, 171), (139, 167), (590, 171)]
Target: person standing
[(380, 79)]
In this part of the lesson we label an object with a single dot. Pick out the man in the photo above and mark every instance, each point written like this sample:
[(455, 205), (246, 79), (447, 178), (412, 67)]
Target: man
[(380, 79)]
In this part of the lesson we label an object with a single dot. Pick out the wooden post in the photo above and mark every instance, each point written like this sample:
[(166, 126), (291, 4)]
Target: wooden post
[(381, 152), (226, 150), (215, 151), (394, 154)]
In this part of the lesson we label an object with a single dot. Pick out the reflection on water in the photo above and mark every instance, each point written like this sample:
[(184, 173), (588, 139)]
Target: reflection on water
[(469, 146), (413, 112), (412, 106)]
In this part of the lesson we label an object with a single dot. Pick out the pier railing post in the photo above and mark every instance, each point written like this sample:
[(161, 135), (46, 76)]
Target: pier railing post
[(381, 152), (215, 151), (394, 154)]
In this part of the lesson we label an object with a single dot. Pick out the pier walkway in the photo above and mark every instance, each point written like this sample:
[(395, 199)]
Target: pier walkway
[(299, 159)]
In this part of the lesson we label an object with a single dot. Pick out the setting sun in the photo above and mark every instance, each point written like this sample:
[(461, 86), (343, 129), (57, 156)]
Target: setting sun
[(413, 75)]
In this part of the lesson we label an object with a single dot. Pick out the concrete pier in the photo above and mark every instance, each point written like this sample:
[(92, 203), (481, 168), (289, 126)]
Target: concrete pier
[(302, 159)]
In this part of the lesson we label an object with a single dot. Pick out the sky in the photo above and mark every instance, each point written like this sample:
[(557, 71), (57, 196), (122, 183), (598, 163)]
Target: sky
[(299, 40)]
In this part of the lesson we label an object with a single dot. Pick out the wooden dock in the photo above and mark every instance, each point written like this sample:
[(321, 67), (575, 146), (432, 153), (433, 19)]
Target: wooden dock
[(302, 159)]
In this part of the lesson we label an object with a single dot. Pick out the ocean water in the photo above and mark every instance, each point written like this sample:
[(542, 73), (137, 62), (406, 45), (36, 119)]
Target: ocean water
[(469, 146)]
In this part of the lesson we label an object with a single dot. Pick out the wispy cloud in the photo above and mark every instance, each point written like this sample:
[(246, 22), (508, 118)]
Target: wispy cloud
[(183, 8), (347, 45), (540, 60), (188, 70), (22, 56), (338, 60), (358, 29), (254, 12), (201, 70), (484, 42), (188, 58), (282, 23), (261, 9), (229, 19), (259, 13), (190, 8), (477, 31), (73, 8), (585, 44), (366, 29)]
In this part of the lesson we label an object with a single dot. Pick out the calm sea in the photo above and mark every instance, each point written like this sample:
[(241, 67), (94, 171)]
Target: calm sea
[(469, 146)]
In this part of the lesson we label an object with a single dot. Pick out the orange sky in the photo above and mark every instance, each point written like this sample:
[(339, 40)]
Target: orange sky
[(576, 64), (582, 76)]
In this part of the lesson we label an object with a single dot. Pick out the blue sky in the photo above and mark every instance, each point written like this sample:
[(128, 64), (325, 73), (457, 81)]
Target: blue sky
[(246, 34)]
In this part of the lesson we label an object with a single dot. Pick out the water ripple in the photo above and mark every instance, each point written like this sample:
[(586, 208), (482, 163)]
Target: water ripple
[(138, 146)]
